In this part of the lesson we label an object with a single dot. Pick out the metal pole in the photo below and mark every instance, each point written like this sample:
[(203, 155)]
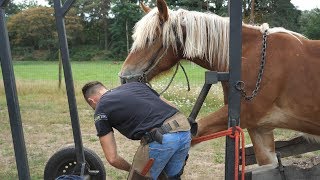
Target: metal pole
[(235, 50), (12, 99), (60, 12)]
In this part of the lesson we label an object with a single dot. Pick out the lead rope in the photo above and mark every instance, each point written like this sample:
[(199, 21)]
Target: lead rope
[(173, 76), (233, 132)]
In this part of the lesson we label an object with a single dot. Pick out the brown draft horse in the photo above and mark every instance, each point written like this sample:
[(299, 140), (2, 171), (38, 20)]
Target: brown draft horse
[(291, 81)]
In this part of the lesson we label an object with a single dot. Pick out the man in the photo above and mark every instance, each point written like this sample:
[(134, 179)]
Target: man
[(137, 112)]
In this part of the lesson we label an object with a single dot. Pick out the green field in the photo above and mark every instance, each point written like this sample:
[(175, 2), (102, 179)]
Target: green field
[(99, 70)]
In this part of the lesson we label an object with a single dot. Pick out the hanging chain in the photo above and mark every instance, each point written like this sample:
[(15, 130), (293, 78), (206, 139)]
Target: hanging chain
[(240, 85)]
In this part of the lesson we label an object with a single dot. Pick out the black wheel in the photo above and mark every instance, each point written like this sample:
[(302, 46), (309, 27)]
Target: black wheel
[(64, 162)]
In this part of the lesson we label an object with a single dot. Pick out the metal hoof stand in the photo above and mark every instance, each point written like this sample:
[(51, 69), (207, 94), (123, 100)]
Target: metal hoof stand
[(71, 160)]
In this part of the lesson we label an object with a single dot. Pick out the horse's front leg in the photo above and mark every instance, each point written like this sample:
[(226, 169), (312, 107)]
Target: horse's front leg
[(214, 122), (263, 144)]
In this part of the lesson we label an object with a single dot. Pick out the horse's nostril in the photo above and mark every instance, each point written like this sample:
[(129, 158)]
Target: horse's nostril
[(123, 80)]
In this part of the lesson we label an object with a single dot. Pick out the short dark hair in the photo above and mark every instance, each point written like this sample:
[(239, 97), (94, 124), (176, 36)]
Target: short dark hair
[(91, 88)]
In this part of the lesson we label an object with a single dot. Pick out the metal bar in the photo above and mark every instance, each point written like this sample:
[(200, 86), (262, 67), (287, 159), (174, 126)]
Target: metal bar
[(59, 15), (223, 76), (12, 100), (196, 108), (66, 7), (235, 48)]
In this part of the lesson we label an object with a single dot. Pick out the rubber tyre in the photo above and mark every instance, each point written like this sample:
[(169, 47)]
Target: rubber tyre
[(64, 161)]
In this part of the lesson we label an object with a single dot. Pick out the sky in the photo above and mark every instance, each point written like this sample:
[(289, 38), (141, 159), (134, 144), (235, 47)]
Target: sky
[(301, 4), (306, 4)]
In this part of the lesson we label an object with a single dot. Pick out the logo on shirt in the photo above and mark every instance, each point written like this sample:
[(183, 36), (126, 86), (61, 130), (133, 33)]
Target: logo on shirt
[(101, 116)]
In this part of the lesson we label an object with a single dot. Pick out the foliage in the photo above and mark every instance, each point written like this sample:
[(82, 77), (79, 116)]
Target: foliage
[(122, 25), (84, 53), (14, 8), (36, 27), (107, 24), (216, 6), (310, 23), (277, 13)]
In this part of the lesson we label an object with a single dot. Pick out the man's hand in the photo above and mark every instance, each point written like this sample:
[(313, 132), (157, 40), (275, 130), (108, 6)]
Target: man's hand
[(109, 146)]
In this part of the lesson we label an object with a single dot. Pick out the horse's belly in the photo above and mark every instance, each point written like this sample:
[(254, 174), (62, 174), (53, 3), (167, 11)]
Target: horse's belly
[(287, 119)]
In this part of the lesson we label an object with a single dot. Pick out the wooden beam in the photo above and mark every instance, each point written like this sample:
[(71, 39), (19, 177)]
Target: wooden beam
[(290, 172), (295, 146)]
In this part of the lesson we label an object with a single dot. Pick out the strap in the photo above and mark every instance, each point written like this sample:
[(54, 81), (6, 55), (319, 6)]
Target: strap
[(156, 134)]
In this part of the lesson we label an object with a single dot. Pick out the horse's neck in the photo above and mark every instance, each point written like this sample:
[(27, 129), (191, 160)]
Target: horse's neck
[(203, 63), (249, 36)]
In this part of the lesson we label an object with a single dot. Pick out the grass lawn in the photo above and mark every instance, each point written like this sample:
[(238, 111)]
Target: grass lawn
[(46, 118)]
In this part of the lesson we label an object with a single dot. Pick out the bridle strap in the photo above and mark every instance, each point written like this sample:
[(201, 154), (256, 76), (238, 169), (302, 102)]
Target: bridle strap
[(175, 72), (142, 77)]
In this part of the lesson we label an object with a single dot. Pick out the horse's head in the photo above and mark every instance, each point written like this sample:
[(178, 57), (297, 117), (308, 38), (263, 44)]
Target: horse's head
[(163, 37), (152, 51)]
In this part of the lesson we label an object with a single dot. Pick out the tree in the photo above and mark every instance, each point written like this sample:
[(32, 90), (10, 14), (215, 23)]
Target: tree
[(219, 7), (310, 23), (95, 20), (277, 13), (14, 8), (126, 14), (36, 27)]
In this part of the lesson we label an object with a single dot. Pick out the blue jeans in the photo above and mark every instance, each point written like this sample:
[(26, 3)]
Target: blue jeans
[(171, 154)]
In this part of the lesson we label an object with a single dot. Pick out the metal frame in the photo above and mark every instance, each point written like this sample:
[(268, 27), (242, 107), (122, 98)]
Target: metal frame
[(233, 77), (12, 98), (235, 53), (60, 12)]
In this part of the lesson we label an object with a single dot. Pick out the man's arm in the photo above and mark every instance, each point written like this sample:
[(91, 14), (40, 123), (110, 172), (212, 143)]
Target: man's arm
[(109, 147)]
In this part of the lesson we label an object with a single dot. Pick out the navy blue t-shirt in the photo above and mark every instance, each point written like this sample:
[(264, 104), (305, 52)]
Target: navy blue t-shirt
[(133, 109)]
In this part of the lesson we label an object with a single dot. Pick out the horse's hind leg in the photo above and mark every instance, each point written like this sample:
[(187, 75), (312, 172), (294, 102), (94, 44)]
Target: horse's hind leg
[(263, 144)]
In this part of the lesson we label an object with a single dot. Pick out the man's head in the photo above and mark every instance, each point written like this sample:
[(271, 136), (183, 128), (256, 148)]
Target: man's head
[(92, 92)]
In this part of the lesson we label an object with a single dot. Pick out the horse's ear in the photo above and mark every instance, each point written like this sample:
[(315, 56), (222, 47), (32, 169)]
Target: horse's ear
[(145, 8), (163, 10)]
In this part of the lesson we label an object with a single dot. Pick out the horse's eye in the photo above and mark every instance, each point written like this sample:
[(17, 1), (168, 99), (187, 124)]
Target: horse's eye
[(150, 41)]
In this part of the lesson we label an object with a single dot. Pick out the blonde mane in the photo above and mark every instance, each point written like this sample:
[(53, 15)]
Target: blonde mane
[(207, 34)]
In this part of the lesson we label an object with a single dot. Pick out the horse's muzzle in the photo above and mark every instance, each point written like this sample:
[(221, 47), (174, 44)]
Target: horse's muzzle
[(132, 78)]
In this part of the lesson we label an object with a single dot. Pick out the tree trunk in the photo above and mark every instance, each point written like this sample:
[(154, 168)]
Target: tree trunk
[(252, 12), (127, 34), (105, 6)]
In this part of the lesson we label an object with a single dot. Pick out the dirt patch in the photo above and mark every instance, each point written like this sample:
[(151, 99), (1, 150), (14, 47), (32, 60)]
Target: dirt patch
[(303, 161)]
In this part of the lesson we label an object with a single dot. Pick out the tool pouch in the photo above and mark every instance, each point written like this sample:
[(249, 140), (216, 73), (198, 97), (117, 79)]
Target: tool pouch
[(140, 160), (137, 176)]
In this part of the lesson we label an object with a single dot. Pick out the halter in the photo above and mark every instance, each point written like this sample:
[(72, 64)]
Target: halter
[(143, 76)]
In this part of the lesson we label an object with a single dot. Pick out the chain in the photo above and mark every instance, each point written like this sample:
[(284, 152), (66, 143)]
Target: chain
[(240, 85)]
